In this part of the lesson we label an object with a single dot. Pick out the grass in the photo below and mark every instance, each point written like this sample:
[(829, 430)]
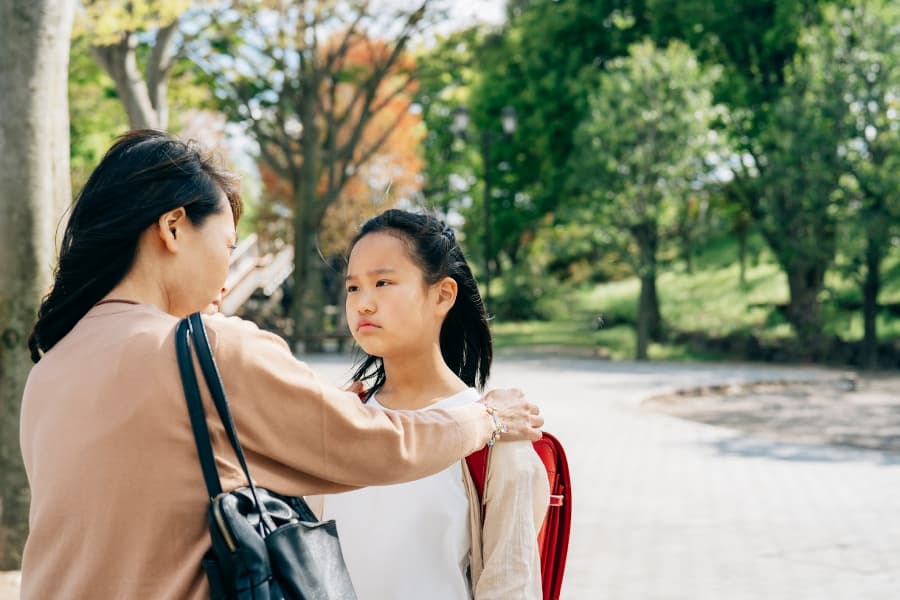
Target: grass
[(711, 299), (562, 335)]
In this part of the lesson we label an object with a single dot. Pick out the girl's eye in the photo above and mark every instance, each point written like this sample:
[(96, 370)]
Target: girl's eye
[(352, 288), (381, 283)]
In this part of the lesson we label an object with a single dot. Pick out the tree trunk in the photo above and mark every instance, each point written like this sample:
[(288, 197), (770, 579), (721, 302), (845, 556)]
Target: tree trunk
[(870, 288), (741, 231), (308, 310), (120, 63), (34, 188), (688, 254), (805, 282), (158, 68), (648, 319)]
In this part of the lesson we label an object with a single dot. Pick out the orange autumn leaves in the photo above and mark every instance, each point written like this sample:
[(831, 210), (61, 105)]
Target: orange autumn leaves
[(386, 164)]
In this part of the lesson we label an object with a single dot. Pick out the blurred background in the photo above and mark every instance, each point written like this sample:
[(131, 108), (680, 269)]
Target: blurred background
[(698, 180)]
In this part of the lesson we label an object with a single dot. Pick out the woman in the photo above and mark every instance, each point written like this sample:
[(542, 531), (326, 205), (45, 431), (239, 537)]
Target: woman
[(118, 502), (413, 307)]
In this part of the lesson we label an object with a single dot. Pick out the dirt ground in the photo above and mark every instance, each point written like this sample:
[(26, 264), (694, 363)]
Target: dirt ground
[(859, 412)]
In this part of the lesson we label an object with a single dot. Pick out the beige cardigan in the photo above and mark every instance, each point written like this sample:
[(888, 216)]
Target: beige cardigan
[(504, 559), (118, 504)]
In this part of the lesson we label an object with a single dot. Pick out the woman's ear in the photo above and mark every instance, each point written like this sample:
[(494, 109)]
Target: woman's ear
[(447, 288), (168, 225)]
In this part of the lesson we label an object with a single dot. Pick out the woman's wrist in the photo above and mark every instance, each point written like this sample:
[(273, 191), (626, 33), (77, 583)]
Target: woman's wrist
[(499, 428)]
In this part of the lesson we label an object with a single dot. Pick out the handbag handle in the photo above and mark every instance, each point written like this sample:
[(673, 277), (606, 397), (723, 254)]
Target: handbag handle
[(195, 410), (192, 329)]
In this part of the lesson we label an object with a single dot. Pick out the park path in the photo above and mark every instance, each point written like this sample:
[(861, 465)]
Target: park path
[(667, 509)]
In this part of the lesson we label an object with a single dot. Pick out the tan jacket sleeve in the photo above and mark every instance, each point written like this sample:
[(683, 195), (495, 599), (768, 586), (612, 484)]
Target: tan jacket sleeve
[(303, 436), (517, 495)]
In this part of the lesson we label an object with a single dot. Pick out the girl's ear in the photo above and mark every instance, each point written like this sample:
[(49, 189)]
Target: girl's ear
[(447, 289), (167, 227)]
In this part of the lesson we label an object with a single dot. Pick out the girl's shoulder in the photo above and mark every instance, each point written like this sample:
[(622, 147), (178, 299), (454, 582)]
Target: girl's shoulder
[(517, 459)]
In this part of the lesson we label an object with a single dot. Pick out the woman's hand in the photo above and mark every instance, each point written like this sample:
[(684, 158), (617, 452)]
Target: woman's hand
[(521, 420)]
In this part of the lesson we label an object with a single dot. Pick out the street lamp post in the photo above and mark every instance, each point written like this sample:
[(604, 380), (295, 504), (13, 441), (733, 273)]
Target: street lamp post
[(460, 127)]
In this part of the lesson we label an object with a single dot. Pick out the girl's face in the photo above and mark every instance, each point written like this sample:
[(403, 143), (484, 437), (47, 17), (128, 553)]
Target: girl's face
[(391, 310)]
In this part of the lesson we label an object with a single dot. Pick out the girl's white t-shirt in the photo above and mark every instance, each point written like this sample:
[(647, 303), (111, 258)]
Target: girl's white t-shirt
[(410, 540)]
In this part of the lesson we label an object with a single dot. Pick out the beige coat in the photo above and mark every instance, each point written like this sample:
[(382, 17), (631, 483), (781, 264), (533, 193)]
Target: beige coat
[(504, 559), (118, 504)]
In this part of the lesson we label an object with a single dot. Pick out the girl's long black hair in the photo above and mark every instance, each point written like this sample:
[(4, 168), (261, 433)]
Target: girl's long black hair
[(465, 340), (144, 174)]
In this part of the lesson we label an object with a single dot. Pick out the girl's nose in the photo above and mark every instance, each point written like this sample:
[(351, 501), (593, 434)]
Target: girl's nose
[(365, 305)]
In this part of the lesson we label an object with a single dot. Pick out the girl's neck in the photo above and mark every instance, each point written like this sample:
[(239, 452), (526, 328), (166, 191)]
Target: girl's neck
[(415, 382)]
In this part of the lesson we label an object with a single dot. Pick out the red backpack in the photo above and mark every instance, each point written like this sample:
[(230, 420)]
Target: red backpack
[(553, 539)]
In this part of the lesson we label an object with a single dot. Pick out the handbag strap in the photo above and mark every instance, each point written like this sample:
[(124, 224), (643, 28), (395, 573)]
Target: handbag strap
[(195, 409), (217, 391)]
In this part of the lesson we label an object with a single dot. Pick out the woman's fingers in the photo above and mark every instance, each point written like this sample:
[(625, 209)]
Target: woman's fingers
[(357, 387), (522, 419)]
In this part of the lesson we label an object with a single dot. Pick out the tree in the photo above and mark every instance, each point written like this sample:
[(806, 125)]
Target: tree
[(644, 146), (861, 66), (117, 31), (96, 116), (797, 168), (309, 81), (785, 122), (391, 174), (446, 73), (34, 190), (536, 65)]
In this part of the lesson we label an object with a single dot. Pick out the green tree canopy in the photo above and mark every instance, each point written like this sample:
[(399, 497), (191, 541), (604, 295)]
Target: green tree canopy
[(645, 146)]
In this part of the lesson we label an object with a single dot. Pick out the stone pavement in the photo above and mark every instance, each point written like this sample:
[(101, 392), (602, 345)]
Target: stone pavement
[(666, 508), (669, 509), (863, 413)]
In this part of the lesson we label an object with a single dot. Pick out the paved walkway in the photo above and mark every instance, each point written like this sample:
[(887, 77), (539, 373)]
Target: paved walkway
[(672, 509)]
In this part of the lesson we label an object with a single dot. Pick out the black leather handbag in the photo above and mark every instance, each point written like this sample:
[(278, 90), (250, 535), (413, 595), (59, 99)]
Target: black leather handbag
[(264, 546)]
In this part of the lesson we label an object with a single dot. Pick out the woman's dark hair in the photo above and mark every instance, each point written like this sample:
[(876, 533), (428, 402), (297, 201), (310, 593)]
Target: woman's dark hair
[(465, 336), (144, 174)]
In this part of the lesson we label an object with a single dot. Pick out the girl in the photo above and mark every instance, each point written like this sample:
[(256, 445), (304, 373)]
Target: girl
[(414, 309)]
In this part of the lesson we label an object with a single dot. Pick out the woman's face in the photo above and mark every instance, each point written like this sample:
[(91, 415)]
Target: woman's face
[(202, 261), (390, 308)]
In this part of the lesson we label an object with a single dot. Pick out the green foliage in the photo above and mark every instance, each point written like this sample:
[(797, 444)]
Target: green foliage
[(535, 65), (562, 337), (446, 74), (863, 68), (824, 126), (710, 300), (645, 141), (753, 41), (538, 67), (104, 21), (96, 116), (647, 153)]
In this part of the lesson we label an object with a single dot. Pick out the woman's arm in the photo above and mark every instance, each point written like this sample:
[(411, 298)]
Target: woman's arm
[(303, 436), (517, 494)]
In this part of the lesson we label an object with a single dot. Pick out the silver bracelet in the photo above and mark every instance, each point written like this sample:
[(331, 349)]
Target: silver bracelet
[(499, 426)]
